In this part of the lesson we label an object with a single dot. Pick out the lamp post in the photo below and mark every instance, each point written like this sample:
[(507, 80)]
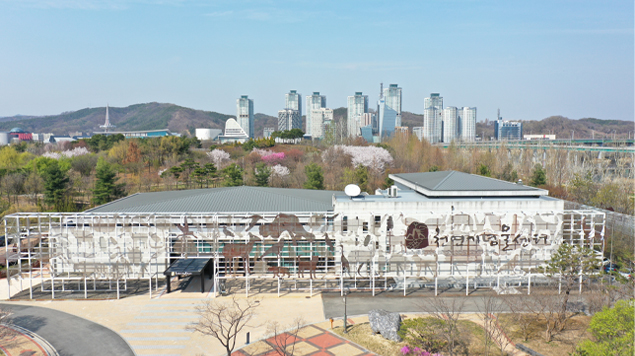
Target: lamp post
[(345, 317)]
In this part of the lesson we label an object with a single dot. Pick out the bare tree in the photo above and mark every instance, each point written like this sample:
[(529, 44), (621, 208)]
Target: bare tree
[(524, 321), (548, 307), (285, 338), (489, 309), (224, 320), (447, 312)]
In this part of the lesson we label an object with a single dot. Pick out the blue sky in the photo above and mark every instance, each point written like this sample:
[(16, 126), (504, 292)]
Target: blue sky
[(531, 59)]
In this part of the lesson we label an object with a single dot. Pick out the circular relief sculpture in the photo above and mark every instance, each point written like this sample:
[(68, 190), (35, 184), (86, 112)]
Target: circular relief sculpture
[(417, 236)]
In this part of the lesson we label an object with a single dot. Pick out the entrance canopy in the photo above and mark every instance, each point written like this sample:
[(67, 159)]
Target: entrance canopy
[(188, 267)]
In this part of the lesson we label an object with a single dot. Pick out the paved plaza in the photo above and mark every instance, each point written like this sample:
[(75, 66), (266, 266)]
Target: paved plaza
[(157, 325)]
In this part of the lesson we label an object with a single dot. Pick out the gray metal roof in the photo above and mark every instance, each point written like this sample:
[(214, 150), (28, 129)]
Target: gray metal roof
[(453, 183), (231, 199)]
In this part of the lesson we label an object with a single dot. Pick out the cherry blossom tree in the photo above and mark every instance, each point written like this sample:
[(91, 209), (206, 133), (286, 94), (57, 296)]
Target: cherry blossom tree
[(374, 158), (218, 156)]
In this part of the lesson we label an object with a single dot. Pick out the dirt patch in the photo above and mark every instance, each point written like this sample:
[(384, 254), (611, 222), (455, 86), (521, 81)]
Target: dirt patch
[(362, 334), (562, 343)]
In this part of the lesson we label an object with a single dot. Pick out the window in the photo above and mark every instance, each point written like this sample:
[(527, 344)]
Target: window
[(377, 221), (345, 224)]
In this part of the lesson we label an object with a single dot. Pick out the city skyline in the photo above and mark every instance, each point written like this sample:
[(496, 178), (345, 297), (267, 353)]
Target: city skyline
[(67, 55)]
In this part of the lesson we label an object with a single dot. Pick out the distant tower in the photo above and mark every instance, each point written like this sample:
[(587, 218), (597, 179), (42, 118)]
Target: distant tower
[(245, 114), (433, 118), (357, 105), (293, 101), (313, 102), (107, 125), (389, 110)]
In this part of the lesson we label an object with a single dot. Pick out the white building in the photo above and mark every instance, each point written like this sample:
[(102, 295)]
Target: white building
[(468, 124), (245, 114), (313, 102), (234, 132), (208, 134), (320, 119), (289, 119), (432, 117), (357, 105), (450, 124), (428, 229), (418, 131), (293, 101)]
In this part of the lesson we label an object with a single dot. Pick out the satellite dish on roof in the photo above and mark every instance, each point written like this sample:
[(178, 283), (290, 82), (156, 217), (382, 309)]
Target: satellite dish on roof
[(352, 190)]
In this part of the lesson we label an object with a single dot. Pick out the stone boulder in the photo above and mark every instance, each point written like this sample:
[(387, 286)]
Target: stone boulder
[(385, 323)]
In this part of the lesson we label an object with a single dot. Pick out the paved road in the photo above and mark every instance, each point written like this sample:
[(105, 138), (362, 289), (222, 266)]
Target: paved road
[(70, 335), (362, 303)]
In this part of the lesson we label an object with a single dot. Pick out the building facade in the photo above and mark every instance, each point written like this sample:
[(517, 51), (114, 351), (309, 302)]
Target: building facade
[(313, 102), (289, 119), (468, 124), (508, 130), (293, 101), (446, 227), (245, 114), (320, 119), (389, 110), (432, 117), (450, 124), (357, 106)]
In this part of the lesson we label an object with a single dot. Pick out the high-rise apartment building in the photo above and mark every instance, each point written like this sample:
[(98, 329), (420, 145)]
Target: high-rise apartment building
[(357, 105), (320, 118), (293, 100), (245, 114), (468, 124), (389, 110), (432, 117), (450, 124), (289, 119), (313, 102)]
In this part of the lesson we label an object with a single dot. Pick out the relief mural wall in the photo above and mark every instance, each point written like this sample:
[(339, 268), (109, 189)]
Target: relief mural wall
[(301, 246)]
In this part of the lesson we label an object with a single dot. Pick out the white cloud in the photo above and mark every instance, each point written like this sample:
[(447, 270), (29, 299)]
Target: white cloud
[(219, 13), (89, 4)]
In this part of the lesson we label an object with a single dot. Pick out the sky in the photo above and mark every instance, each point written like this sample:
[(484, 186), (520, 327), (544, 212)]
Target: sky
[(531, 59)]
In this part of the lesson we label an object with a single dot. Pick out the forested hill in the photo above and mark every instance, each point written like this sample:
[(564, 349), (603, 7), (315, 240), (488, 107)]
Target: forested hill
[(155, 116), (563, 127), (150, 116)]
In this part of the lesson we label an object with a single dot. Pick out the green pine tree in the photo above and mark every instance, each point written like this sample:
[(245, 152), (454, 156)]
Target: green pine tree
[(106, 187), (55, 186), (262, 173), (538, 177), (314, 177), (233, 175)]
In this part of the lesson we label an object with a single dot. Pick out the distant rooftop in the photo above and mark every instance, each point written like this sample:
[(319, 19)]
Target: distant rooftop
[(459, 184), (242, 199)]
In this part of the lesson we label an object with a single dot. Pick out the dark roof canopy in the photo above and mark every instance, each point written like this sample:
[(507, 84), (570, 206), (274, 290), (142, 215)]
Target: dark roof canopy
[(453, 183), (242, 199)]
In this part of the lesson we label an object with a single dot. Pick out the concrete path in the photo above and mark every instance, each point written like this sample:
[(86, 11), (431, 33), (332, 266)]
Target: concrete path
[(14, 342), (312, 340), (69, 334)]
